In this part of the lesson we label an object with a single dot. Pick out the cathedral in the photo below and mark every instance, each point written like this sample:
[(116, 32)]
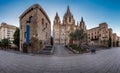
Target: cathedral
[(62, 29)]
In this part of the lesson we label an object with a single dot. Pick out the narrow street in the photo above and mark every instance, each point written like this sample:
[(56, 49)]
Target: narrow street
[(61, 50)]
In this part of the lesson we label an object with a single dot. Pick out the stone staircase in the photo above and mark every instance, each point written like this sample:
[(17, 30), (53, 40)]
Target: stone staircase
[(47, 50)]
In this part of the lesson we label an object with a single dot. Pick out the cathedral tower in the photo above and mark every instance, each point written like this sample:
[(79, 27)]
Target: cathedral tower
[(56, 29), (62, 30), (56, 19), (82, 24), (68, 17)]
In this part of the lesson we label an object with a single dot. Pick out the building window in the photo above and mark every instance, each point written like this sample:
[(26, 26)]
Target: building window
[(92, 33), (21, 26), (89, 37), (46, 25), (92, 37), (25, 34), (69, 19), (46, 35), (42, 21), (30, 19), (95, 37)]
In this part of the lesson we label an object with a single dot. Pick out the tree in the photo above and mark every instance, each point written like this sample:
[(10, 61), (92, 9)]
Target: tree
[(5, 43), (72, 37), (78, 35), (16, 37)]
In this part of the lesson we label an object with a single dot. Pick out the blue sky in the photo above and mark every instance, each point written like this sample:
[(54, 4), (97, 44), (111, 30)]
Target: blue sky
[(93, 11)]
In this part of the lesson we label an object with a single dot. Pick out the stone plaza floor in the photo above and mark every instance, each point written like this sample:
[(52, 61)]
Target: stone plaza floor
[(62, 61)]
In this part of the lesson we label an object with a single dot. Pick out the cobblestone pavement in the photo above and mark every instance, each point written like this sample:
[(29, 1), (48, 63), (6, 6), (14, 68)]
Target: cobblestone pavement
[(104, 61)]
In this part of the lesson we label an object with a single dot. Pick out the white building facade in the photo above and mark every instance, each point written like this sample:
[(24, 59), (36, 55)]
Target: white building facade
[(7, 31)]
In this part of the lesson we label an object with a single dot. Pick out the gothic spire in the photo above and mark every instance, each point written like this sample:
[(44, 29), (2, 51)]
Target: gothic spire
[(56, 13), (82, 24), (68, 10), (68, 13), (56, 17), (82, 19)]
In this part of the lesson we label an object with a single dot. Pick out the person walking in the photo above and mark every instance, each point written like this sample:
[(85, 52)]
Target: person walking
[(93, 50)]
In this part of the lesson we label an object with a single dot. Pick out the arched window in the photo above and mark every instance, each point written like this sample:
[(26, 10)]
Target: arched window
[(46, 25), (69, 19), (46, 35), (42, 21), (30, 19)]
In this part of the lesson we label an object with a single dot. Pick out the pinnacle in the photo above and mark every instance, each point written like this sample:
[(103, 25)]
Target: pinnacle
[(81, 19), (68, 10)]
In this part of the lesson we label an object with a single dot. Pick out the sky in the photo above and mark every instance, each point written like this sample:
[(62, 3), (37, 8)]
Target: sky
[(93, 12)]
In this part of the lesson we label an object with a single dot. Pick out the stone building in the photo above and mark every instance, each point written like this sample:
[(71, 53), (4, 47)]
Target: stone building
[(61, 30), (97, 36), (119, 41), (102, 36), (114, 39), (39, 28), (7, 31)]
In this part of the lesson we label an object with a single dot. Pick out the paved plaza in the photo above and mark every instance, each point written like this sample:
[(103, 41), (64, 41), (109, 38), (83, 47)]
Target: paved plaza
[(62, 61)]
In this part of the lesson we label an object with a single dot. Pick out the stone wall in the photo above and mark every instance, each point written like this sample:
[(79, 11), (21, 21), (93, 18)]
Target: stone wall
[(40, 28)]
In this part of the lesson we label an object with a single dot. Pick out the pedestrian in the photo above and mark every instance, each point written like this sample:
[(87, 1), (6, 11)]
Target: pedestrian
[(93, 51)]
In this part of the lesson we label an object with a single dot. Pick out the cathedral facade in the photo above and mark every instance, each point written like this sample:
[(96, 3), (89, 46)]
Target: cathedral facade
[(99, 36), (62, 29)]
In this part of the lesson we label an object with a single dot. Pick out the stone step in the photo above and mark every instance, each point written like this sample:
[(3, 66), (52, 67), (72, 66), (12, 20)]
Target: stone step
[(47, 50), (48, 46)]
